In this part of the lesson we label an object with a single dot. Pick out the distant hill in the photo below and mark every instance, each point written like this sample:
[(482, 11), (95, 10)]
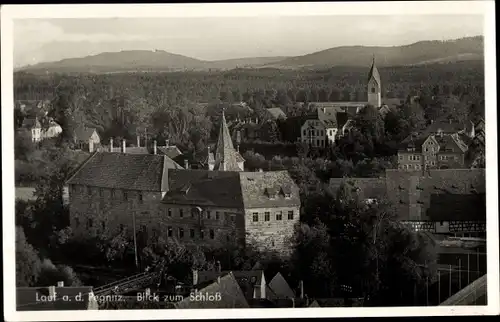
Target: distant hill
[(424, 52), (471, 48)]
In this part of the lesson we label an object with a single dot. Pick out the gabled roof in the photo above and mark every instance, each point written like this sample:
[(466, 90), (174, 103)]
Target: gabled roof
[(280, 287), (413, 141), (26, 299), (171, 151), (444, 125), (206, 188), (247, 280), (226, 157), (276, 113), (147, 172), (450, 142), (374, 73), (84, 133), (230, 292), (254, 185), (328, 117)]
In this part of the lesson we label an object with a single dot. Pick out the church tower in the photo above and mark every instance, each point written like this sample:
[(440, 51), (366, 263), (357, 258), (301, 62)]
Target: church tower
[(374, 86), (226, 157)]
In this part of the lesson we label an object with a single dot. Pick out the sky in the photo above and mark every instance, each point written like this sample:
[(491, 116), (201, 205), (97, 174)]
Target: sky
[(215, 38)]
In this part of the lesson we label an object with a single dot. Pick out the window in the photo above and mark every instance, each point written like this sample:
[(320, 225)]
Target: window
[(212, 234), (191, 233), (317, 142), (255, 217), (304, 132), (101, 192), (267, 216), (217, 215), (279, 215), (169, 231), (89, 223), (181, 233), (233, 218), (181, 213), (290, 215), (202, 234), (373, 89), (113, 193), (125, 195), (103, 224), (208, 214), (400, 157), (169, 212), (426, 149), (140, 197)]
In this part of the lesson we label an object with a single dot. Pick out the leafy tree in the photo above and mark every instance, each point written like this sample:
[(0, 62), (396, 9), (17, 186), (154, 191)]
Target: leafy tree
[(50, 274), (28, 264)]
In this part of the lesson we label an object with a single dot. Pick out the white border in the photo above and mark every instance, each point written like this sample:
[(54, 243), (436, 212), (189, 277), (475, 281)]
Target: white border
[(8, 13)]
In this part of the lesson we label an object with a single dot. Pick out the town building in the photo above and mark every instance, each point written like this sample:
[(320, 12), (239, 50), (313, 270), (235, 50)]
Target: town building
[(153, 195), (39, 132), (87, 139), (333, 119), (276, 113)]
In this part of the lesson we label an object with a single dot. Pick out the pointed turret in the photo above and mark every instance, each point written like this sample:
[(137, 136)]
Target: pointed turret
[(226, 157), (374, 86)]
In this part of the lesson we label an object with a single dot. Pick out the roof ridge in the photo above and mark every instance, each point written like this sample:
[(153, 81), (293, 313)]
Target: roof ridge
[(82, 165)]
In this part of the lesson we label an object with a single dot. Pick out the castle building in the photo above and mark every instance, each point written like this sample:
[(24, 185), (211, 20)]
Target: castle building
[(332, 118), (150, 195)]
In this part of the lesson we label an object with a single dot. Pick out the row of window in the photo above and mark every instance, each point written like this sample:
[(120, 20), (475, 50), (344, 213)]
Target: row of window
[(317, 143), (125, 193), (192, 233), (448, 157), (318, 132), (215, 215), (267, 216)]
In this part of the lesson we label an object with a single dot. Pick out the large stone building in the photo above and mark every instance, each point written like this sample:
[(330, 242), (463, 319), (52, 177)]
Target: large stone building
[(450, 201), (332, 118), (152, 195)]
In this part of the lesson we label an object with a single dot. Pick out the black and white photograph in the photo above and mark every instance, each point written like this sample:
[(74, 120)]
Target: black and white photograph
[(324, 158)]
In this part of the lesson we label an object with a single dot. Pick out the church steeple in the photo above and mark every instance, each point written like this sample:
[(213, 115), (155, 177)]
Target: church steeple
[(374, 86), (226, 157)]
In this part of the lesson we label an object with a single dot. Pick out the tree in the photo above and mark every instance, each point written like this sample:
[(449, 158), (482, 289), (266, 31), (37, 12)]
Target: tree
[(50, 274), (28, 264)]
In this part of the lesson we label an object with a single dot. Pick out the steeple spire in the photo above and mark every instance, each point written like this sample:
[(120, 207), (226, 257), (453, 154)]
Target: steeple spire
[(226, 157)]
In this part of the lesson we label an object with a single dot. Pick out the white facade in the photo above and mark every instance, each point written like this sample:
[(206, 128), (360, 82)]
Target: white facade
[(313, 132)]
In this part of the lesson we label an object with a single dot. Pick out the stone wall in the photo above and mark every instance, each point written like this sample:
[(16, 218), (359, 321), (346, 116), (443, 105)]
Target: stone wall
[(273, 234)]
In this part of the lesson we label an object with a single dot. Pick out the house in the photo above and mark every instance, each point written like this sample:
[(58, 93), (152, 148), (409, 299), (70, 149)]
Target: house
[(434, 151), (55, 298), (251, 283), (151, 193), (86, 138), (321, 131), (39, 132), (276, 113), (221, 292)]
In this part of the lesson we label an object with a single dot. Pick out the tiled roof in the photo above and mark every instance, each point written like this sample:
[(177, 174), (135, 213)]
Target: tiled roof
[(247, 280), (226, 157), (231, 295), (328, 117), (84, 133), (206, 188), (450, 142), (373, 188), (254, 185), (31, 123), (276, 112), (26, 299), (374, 73), (412, 141), (147, 172), (443, 125), (444, 206), (280, 287), (170, 151), (135, 150)]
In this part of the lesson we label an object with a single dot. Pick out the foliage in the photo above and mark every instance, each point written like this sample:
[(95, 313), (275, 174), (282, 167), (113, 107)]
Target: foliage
[(50, 274), (28, 264)]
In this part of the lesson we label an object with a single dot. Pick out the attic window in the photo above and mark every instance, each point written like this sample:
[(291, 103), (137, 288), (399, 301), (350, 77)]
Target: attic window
[(271, 193), (287, 192)]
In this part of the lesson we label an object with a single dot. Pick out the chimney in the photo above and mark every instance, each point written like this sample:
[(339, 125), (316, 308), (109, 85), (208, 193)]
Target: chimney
[(52, 291), (324, 110), (154, 147), (167, 143), (186, 164), (124, 146), (111, 145), (91, 145), (219, 269), (195, 277), (60, 284), (301, 289), (218, 279), (138, 141)]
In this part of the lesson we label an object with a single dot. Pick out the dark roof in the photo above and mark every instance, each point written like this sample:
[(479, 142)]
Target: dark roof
[(445, 206), (226, 157), (254, 185), (170, 151), (84, 133), (374, 73), (247, 280), (328, 117), (276, 113), (26, 299), (146, 172), (30, 123), (206, 188), (227, 287), (373, 188), (450, 142), (412, 141), (280, 287), (443, 125)]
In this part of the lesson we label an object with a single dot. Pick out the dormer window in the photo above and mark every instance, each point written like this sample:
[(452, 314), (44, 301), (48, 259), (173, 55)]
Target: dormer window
[(271, 193)]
